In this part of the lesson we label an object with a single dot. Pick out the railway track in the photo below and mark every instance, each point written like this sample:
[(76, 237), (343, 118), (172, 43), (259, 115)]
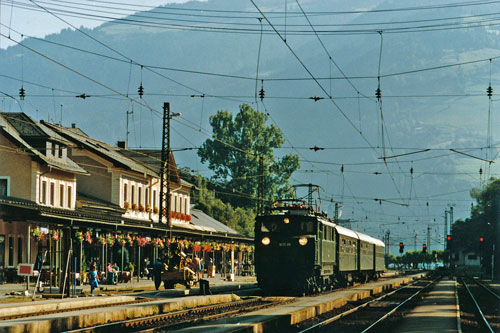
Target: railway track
[(367, 315), (479, 310), (179, 319)]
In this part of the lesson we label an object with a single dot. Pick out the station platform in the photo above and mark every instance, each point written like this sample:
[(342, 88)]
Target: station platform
[(279, 319), (437, 312), (13, 290)]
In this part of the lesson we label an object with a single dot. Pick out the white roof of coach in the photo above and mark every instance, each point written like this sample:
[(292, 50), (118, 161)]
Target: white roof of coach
[(370, 239), (346, 232)]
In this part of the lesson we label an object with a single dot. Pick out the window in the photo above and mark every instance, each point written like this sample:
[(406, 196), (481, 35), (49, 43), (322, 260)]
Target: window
[(61, 152), (19, 250), (125, 192), (147, 196), (61, 195), (185, 206), (139, 195), (154, 199), (43, 194), (133, 194), (3, 187), (52, 190), (70, 199), (11, 251)]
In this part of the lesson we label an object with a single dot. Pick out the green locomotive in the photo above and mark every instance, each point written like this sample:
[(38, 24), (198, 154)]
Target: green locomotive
[(300, 251)]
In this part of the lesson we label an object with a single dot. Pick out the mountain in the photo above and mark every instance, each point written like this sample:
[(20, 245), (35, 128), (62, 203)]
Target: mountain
[(449, 108)]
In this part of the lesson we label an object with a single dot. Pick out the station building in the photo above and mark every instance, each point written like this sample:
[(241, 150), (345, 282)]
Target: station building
[(65, 196)]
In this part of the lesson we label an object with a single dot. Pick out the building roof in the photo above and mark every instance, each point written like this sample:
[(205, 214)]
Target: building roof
[(11, 125), (201, 219), (103, 149), (152, 160), (30, 129)]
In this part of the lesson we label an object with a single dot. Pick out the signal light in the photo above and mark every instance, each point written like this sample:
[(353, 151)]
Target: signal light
[(424, 248), (448, 241), (481, 239), (401, 247)]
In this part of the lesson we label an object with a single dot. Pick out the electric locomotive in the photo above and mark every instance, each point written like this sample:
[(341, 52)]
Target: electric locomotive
[(301, 251)]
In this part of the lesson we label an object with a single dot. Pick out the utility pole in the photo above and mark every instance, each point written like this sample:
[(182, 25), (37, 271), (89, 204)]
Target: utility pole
[(260, 204), (165, 159), (445, 227), (127, 132), (336, 214), (415, 242), (387, 243), (451, 216), (165, 167), (429, 238)]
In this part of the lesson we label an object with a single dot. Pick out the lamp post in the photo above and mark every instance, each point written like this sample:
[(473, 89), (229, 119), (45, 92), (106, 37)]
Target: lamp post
[(165, 164)]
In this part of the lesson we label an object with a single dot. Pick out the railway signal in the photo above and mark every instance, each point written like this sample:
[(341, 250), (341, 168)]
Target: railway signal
[(401, 247), (424, 248), (448, 241)]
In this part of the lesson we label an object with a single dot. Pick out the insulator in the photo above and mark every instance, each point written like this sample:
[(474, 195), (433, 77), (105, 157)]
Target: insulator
[(378, 93), (480, 171), (262, 94), (22, 93), (342, 168), (411, 171), (140, 90), (489, 91)]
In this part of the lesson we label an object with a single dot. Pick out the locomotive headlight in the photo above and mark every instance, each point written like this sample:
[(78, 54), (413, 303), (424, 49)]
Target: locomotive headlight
[(303, 241), (286, 220), (266, 241)]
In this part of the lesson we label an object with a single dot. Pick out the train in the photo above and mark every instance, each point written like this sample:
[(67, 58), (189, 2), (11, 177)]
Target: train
[(299, 250)]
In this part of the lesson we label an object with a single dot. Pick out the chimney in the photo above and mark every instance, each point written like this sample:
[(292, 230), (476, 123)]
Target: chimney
[(122, 144), (73, 125)]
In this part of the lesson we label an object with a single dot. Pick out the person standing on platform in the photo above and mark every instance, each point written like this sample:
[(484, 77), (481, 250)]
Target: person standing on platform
[(197, 267), (93, 280), (157, 270), (110, 274)]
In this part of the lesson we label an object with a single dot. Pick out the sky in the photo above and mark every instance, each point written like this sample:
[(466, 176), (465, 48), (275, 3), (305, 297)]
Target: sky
[(20, 16)]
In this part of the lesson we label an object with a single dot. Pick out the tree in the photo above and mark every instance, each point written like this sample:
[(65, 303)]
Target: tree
[(483, 222), (234, 152), (239, 219)]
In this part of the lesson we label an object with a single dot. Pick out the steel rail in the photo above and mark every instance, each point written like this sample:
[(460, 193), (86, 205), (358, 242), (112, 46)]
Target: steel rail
[(400, 305), (486, 288), (478, 308), (348, 312), (157, 319)]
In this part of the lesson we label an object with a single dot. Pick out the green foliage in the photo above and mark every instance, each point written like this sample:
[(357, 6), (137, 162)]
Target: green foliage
[(240, 219), (483, 222), (412, 259), (235, 162)]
